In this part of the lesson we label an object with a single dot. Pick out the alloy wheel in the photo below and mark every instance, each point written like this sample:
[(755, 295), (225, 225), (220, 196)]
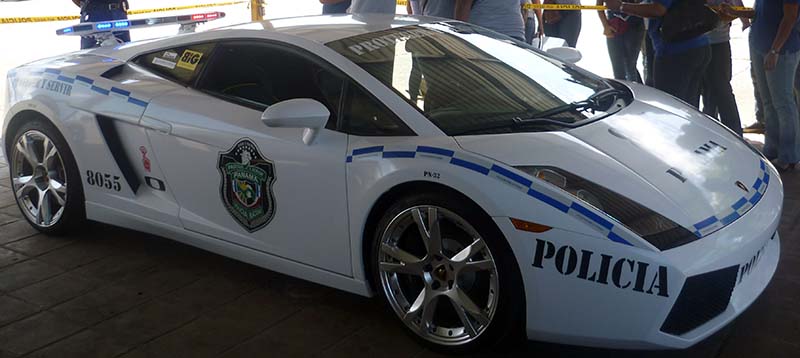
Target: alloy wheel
[(438, 275), (39, 178)]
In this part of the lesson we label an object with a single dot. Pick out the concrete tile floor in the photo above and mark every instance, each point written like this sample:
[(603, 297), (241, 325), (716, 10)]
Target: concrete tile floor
[(112, 292)]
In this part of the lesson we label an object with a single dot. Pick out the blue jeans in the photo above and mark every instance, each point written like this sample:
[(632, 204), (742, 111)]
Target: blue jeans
[(776, 88), (624, 53)]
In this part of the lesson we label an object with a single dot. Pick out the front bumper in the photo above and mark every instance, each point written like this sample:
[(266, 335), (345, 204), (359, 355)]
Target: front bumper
[(588, 291)]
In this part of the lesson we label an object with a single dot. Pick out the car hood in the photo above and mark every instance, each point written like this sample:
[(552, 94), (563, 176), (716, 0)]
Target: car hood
[(657, 151)]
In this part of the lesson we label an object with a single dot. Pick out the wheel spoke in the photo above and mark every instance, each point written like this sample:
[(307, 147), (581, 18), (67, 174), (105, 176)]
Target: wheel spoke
[(399, 254), (469, 251), (49, 151), (480, 265), (412, 268), (58, 186), (45, 214), (58, 197), (428, 312), (24, 149), (416, 308), (465, 309), (429, 229)]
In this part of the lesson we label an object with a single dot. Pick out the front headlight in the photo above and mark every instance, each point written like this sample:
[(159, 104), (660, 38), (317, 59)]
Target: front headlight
[(656, 229)]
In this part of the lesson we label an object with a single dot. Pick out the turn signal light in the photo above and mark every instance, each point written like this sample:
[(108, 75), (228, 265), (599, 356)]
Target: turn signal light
[(523, 225)]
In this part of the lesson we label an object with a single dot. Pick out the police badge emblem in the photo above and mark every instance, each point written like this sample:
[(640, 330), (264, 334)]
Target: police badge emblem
[(246, 185)]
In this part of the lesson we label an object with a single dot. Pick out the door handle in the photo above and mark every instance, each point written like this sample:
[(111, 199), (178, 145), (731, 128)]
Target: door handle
[(156, 125)]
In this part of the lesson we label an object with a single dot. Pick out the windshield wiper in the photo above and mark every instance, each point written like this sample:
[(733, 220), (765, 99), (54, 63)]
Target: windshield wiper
[(593, 102), (541, 118)]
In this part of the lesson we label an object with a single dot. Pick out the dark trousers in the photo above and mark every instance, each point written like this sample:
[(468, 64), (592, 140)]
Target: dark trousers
[(649, 61), (568, 28), (718, 98), (624, 53), (682, 74)]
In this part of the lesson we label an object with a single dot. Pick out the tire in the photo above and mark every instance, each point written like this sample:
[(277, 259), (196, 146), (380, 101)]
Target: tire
[(426, 286), (47, 175)]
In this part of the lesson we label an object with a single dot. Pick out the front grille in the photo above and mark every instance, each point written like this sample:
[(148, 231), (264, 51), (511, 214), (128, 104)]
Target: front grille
[(702, 298)]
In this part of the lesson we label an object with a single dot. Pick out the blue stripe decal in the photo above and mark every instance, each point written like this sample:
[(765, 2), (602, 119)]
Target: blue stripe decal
[(65, 79), (763, 166), (349, 159), (137, 102), (548, 200), (470, 165), (730, 218), (84, 79), (399, 154), (766, 178), (439, 151), (706, 223), (755, 198), (367, 150), (511, 175), (616, 238), (739, 204), (592, 216), (757, 184), (120, 91), (53, 71), (99, 90)]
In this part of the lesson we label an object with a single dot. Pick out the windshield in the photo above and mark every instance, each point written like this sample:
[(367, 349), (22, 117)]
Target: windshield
[(469, 80)]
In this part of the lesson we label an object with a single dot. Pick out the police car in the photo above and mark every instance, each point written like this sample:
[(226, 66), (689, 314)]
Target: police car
[(483, 188)]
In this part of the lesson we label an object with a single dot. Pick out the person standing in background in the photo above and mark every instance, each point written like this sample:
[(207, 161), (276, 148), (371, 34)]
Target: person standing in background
[(413, 7), (103, 10), (718, 99), (334, 6), (679, 66), (501, 16), (624, 35), (565, 24), (373, 7), (439, 8), (534, 26), (775, 54)]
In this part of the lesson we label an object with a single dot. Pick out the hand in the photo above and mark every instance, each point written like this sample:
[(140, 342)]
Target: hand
[(540, 32), (770, 61), (613, 4), (609, 31)]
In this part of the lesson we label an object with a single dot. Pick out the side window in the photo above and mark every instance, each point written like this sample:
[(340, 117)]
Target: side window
[(363, 115), (260, 75), (181, 64)]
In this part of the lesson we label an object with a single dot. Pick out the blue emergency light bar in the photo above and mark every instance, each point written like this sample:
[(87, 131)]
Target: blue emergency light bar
[(89, 28)]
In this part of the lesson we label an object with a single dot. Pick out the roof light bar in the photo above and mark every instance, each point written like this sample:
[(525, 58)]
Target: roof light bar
[(89, 28)]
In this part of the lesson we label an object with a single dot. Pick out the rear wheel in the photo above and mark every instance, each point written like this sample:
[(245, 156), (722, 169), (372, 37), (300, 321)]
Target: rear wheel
[(45, 178), (446, 271)]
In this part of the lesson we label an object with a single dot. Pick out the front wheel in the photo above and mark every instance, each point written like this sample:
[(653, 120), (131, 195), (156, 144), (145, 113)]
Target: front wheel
[(45, 178), (447, 272)]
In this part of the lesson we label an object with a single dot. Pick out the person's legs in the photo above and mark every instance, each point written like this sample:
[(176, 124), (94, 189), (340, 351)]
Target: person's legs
[(530, 28), (649, 61), (709, 88), (780, 83), (632, 42), (725, 100), (698, 61), (669, 76), (616, 52), (571, 27), (772, 130)]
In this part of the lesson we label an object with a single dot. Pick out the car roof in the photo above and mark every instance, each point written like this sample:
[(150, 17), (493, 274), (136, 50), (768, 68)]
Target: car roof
[(327, 28)]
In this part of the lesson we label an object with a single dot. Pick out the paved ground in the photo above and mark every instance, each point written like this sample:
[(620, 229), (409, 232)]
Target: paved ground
[(113, 292)]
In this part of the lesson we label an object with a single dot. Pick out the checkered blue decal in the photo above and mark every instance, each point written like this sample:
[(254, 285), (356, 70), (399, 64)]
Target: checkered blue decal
[(738, 209), (612, 230), (94, 86)]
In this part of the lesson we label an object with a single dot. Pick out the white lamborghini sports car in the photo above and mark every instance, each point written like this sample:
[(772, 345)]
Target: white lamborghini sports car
[(483, 188)]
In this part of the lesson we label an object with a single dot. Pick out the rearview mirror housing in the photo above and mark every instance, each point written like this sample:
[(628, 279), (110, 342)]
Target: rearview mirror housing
[(298, 113), (566, 54)]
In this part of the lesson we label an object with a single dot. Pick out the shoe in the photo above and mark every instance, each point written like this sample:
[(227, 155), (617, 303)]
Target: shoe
[(756, 127)]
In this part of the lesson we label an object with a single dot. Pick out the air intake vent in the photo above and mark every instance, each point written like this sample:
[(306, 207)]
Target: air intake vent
[(702, 298)]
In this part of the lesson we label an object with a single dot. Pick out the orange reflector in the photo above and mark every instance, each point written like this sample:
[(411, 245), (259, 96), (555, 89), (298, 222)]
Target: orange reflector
[(529, 226)]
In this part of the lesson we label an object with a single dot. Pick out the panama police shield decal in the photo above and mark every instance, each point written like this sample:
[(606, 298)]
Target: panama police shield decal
[(246, 188)]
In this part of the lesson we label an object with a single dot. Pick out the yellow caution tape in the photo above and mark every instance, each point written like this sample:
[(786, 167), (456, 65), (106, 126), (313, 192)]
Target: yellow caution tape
[(17, 20)]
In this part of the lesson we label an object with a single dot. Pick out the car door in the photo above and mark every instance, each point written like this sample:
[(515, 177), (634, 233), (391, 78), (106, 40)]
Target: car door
[(238, 180)]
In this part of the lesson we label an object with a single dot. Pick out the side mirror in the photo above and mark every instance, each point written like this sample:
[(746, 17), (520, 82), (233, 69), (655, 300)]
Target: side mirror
[(298, 113), (566, 54)]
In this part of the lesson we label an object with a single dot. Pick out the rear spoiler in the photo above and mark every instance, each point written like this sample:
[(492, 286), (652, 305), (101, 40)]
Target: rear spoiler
[(103, 31)]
